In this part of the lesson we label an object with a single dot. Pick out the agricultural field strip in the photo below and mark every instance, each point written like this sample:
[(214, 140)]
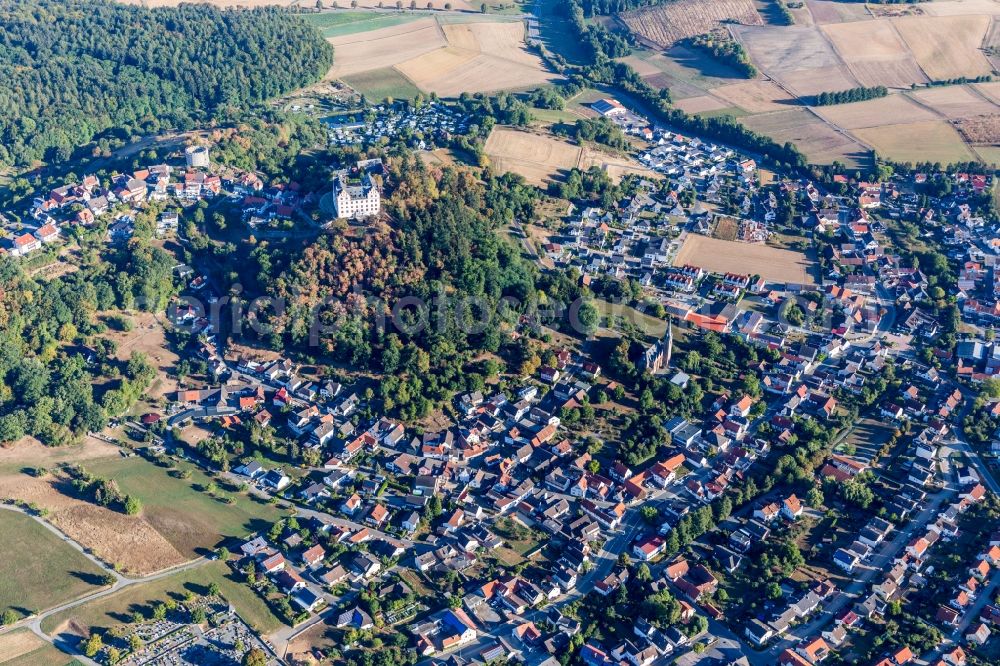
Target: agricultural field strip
[(446, 57), (665, 25)]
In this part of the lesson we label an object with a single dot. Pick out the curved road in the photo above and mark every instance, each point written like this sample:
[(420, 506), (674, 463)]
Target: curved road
[(34, 622)]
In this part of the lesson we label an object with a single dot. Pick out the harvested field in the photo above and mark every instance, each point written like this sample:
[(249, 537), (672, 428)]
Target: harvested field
[(424, 70), (799, 57), (385, 47), (956, 102), (15, 643), (894, 109), (770, 263), (540, 158), (756, 96), (447, 58), (961, 7), (989, 154), (875, 53), (486, 73), (669, 23), (22, 648), (938, 142), (825, 12), (700, 104), (946, 47), (992, 43), (820, 142), (990, 90), (807, 82), (981, 130), (782, 49)]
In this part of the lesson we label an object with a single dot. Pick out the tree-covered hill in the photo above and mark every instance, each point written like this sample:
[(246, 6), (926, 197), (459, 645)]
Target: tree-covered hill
[(72, 69)]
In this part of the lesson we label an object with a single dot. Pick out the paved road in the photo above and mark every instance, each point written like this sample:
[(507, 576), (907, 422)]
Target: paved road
[(961, 443), (859, 584), (971, 615), (65, 643), (73, 544), (972, 455)]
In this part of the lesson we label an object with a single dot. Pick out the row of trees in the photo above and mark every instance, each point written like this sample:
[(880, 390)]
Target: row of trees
[(119, 67), (859, 94)]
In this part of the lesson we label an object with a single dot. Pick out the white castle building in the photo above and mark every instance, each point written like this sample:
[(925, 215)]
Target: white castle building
[(355, 192)]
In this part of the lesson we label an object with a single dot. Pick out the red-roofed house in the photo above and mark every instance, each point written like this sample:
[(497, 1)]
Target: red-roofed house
[(24, 244), (791, 508)]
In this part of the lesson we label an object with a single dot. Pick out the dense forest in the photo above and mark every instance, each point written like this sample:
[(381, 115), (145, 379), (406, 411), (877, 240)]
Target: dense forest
[(443, 241), (599, 41), (73, 69), (48, 388)]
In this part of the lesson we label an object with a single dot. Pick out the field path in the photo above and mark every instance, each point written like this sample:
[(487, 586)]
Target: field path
[(980, 94), (841, 130), (834, 127), (924, 105), (34, 622)]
